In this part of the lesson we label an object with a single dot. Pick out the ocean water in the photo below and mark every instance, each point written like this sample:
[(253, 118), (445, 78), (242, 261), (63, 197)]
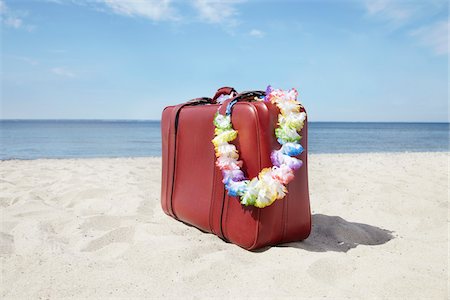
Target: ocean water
[(31, 139)]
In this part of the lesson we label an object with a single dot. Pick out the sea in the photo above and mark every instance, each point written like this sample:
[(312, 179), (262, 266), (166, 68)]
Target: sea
[(34, 139)]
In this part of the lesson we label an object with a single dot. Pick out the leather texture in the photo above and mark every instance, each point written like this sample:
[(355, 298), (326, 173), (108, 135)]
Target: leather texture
[(192, 190)]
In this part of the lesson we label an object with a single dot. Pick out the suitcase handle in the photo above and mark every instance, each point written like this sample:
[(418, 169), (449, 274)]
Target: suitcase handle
[(201, 100), (250, 94), (226, 90), (227, 105)]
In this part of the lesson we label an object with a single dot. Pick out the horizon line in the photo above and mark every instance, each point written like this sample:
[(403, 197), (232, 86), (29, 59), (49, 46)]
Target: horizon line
[(159, 120)]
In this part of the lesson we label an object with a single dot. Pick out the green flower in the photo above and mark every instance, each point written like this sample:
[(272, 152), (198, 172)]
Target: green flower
[(287, 134), (222, 122)]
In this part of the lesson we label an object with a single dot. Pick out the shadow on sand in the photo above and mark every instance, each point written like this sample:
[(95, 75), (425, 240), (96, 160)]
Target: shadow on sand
[(332, 233)]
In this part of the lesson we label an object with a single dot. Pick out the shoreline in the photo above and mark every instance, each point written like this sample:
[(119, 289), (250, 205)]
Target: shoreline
[(159, 157)]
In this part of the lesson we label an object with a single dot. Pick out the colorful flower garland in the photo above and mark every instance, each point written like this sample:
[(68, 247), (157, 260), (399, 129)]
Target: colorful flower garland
[(270, 184)]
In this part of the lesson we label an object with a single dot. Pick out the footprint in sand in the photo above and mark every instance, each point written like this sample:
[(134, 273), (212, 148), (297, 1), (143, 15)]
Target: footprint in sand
[(330, 270), (119, 235), (6, 243), (101, 223)]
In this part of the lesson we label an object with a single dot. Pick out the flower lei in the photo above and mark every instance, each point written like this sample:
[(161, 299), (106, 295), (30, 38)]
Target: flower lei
[(270, 184)]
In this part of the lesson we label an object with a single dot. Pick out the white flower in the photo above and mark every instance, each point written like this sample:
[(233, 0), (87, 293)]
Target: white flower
[(291, 133), (287, 107), (292, 119), (226, 148), (302, 116), (222, 121), (266, 196), (251, 192), (229, 163)]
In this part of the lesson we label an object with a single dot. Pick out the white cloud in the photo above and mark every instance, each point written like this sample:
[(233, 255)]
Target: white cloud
[(257, 33), (156, 10), (392, 11), (401, 14), (62, 72), (220, 12), (434, 36), (13, 22), (216, 11), (13, 19)]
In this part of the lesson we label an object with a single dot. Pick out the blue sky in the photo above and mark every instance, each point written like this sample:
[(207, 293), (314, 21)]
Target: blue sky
[(379, 60)]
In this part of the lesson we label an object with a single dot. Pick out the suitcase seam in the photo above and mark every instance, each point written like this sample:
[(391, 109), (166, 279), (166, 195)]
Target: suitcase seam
[(169, 193), (211, 209), (255, 112), (165, 165), (214, 207), (174, 142), (307, 177), (174, 178), (284, 218), (223, 228), (222, 232), (307, 188), (175, 151)]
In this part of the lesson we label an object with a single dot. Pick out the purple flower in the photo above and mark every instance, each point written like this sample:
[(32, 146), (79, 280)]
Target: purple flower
[(233, 175), (276, 158), (293, 163), (269, 90)]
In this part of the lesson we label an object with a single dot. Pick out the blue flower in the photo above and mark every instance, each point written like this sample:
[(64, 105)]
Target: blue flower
[(292, 149)]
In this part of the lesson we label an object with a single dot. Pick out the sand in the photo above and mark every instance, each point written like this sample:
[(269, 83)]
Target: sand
[(93, 228)]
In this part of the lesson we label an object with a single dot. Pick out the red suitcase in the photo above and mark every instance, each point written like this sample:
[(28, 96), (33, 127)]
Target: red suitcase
[(192, 190)]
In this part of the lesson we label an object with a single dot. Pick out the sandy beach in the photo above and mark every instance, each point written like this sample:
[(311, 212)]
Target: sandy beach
[(93, 228)]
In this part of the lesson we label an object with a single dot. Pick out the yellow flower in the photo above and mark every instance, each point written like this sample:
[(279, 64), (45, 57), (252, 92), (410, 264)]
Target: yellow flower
[(288, 106), (266, 197), (224, 137), (226, 150)]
